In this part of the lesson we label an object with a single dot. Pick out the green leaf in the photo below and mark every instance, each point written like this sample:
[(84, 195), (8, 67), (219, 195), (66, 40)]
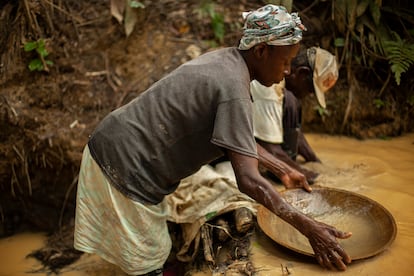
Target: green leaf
[(210, 215), (362, 7), (30, 46), (378, 103), (41, 44), (366, 21), (339, 42), (400, 54), (35, 64), (130, 20), (218, 26), (136, 4), (375, 12), (322, 112), (351, 13), (340, 15), (42, 51)]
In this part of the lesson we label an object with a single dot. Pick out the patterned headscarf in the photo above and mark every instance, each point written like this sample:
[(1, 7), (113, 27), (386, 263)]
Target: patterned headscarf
[(271, 24)]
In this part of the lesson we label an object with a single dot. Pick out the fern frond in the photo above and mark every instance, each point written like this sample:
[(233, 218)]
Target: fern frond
[(400, 55)]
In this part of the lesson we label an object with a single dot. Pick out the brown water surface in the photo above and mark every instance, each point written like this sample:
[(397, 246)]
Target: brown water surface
[(382, 170)]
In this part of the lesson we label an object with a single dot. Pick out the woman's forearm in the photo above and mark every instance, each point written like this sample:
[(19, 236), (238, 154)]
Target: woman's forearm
[(270, 162)]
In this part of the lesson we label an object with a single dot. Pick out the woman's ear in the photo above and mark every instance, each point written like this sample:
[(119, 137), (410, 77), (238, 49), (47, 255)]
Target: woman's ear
[(259, 50)]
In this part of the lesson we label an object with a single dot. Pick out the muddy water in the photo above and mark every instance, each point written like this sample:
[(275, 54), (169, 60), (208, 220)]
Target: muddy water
[(13, 251), (382, 170)]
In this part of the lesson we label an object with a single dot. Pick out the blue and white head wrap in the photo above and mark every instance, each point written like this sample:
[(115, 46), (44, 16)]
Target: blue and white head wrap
[(271, 24)]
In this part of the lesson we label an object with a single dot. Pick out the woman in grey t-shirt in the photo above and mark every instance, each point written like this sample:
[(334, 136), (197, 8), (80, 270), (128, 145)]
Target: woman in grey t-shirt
[(201, 110)]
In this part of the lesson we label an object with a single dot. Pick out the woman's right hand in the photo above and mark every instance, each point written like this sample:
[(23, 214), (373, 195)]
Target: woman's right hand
[(328, 252), (295, 179)]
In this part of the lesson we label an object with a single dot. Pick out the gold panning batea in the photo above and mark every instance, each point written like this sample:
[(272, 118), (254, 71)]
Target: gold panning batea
[(373, 227)]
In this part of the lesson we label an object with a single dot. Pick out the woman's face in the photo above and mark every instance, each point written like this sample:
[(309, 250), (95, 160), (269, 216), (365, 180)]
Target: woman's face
[(300, 82), (275, 63)]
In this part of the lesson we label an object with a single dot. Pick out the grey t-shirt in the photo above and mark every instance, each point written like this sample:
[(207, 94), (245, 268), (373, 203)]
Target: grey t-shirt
[(179, 124)]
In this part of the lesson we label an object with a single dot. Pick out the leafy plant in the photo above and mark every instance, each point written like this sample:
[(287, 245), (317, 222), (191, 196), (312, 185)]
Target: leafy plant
[(366, 35), (379, 103), (126, 12), (400, 55), (207, 9), (136, 4), (322, 111), (365, 38), (40, 63), (357, 23)]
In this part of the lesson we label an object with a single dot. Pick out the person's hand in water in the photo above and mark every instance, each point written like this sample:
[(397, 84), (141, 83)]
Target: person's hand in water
[(328, 252), (295, 179), (310, 175)]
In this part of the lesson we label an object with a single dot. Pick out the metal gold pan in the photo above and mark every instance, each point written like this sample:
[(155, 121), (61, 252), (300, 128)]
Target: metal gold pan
[(373, 227)]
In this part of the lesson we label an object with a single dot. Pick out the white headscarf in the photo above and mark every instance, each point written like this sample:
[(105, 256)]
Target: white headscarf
[(325, 72)]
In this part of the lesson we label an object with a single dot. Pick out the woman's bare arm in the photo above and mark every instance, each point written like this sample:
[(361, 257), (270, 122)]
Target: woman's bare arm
[(290, 177), (322, 237)]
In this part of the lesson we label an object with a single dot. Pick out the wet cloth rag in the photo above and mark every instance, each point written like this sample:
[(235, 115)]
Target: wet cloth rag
[(208, 193)]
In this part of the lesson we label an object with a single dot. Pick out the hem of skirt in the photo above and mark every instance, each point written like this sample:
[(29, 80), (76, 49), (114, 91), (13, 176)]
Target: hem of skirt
[(110, 260)]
